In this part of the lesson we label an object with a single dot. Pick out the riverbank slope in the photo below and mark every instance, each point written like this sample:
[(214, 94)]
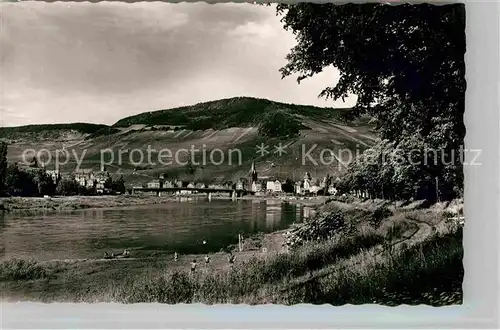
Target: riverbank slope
[(409, 256), (68, 203)]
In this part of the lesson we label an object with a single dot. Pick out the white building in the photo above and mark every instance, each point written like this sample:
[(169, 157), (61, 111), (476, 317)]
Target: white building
[(155, 184), (240, 185), (256, 186), (168, 184), (306, 187), (85, 178), (314, 189), (298, 188), (273, 186), (187, 192), (200, 185), (55, 175), (332, 190)]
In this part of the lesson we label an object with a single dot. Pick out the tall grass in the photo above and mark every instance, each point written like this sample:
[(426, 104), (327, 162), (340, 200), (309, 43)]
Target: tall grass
[(333, 272), (430, 272), (21, 269), (243, 281)]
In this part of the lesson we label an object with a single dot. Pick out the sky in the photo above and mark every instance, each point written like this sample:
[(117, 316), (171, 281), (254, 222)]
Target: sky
[(100, 62)]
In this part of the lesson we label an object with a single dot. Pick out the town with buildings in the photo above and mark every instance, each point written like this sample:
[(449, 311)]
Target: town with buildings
[(89, 181), (263, 186)]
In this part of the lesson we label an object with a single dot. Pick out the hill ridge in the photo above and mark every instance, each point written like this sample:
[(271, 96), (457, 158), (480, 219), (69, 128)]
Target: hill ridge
[(241, 111)]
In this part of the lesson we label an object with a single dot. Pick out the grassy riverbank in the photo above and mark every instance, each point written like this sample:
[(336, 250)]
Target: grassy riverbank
[(65, 203), (412, 256)]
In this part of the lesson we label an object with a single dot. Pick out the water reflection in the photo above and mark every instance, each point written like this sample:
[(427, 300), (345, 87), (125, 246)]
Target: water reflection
[(162, 227), (273, 212), (308, 212)]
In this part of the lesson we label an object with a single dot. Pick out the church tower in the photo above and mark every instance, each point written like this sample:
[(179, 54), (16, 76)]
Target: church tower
[(253, 173)]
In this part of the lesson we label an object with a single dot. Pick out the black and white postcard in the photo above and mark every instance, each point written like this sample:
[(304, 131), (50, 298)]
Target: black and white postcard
[(233, 153)]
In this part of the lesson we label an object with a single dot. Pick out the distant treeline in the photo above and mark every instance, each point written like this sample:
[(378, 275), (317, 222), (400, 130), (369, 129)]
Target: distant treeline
[(93, 130), (273, 118), (35, 182)]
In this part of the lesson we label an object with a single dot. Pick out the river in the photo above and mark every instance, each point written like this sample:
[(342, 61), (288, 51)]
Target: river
[(180, 226)]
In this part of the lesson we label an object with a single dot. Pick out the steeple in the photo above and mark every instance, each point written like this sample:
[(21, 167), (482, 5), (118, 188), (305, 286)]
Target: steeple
[(253, 172)]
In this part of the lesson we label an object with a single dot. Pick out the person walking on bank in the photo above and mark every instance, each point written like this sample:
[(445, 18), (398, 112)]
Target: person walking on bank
[(176, 257), (193, 266), (207, 260)]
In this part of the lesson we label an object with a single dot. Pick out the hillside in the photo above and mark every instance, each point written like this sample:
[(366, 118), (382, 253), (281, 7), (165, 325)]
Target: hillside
[(226, 113), (55, 131), (238, 124)]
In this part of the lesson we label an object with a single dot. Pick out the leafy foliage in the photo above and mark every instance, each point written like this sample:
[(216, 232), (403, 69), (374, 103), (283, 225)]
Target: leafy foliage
[(35, 181), (67, 186), (405, 63), (3, 165), (388, 171), (288, 186), (28, 182), (317, 228), (118, 185), (279, 123)]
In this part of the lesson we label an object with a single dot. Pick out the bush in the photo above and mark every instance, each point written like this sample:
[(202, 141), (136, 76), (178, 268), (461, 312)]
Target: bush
[(67, 187), (318, 228), (28, 182), (380, 214), (20, 269), (279, 124)]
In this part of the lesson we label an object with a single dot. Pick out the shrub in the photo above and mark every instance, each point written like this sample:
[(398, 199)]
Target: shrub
[(21, 269), (318, 228), (278, 124), (380, 214)]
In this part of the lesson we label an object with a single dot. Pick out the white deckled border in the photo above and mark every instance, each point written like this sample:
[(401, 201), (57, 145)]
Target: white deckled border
[(481, 241)]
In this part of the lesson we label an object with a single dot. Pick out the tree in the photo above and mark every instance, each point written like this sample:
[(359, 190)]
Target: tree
[(19, 182), (34, 162), (13, 180), (278, 124), (190, 169), (288, 186), (108, 183), (67, 186), (3, 166), (43, 182), (405, 63), (119, 185)]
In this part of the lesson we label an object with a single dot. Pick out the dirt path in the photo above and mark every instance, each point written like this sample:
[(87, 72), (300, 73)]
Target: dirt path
[(423, 231)]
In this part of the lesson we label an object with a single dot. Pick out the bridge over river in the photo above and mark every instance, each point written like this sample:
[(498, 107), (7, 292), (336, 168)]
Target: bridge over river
[(208, 191)]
